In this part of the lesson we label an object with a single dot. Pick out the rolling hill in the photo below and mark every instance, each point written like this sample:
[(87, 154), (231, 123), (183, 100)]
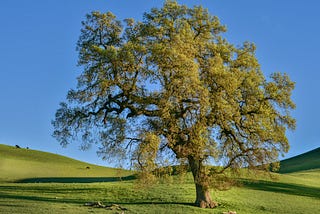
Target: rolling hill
[(40, 182), (26, 165), (306, 161)]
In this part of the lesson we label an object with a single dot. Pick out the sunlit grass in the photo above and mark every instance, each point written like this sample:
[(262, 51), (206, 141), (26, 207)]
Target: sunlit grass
[(19, 164), (253, 197), (68, 189)]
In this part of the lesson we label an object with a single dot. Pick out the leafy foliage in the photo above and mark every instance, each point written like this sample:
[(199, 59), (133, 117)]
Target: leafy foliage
[(173, 83)]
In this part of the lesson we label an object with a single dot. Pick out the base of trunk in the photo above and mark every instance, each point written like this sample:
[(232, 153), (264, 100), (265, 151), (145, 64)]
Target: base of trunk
[(205, 204), (203, 199), (203, 196)]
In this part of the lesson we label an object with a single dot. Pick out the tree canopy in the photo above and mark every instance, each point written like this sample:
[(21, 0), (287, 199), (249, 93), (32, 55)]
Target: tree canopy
[(172, 85)]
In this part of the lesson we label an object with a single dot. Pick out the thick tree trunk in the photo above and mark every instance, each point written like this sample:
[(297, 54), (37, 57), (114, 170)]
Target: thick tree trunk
[(203, 197)]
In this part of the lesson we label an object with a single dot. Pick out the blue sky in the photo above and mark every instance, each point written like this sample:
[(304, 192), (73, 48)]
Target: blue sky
[(38, 59)]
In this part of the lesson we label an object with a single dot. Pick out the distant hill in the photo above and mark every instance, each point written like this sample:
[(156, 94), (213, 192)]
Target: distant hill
[(305, 161), (26, 165)]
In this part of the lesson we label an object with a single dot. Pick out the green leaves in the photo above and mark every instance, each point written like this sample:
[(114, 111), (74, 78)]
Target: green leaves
[(147, 150), (173, 82)]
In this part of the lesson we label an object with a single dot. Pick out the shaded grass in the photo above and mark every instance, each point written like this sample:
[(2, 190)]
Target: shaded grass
[(260, 196), (305, 161), (285, 188), (62, 185), (137, 200), (76, 179)]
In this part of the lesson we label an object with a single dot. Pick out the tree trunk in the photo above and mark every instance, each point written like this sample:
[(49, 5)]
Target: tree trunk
[(203, 197)]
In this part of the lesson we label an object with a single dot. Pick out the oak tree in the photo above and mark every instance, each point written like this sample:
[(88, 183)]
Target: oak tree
[(171, 84)]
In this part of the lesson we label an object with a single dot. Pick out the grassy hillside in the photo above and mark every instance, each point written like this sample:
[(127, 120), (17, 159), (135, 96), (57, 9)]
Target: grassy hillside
[(74, 185), (288, 194), (35, 166), (305, 161)]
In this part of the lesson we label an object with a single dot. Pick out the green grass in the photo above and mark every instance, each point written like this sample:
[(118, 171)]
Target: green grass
[(263, 196), (28, 165), (295, 193), (306, 161)]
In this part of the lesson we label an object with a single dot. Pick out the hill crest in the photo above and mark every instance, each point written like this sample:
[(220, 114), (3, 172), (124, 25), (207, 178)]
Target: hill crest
[(17, 164), (306, 161)]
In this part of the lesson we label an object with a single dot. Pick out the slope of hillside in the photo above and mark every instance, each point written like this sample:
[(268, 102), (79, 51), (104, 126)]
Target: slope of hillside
[(298, 192), (305, 161), (35, 166)]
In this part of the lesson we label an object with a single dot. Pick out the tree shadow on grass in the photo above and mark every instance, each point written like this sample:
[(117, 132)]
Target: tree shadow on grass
[(39, 198), (57, 194), (151, 203), (286, 188), (76, 179), (10, 205), (4, 196), (60, 189)]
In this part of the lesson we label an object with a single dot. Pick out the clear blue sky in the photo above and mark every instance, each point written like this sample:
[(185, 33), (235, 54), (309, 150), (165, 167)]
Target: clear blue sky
[(38, 59)]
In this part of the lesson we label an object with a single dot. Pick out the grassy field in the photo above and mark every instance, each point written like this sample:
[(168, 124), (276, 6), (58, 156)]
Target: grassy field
[(26, 165), (306, 161), (297, 192)]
